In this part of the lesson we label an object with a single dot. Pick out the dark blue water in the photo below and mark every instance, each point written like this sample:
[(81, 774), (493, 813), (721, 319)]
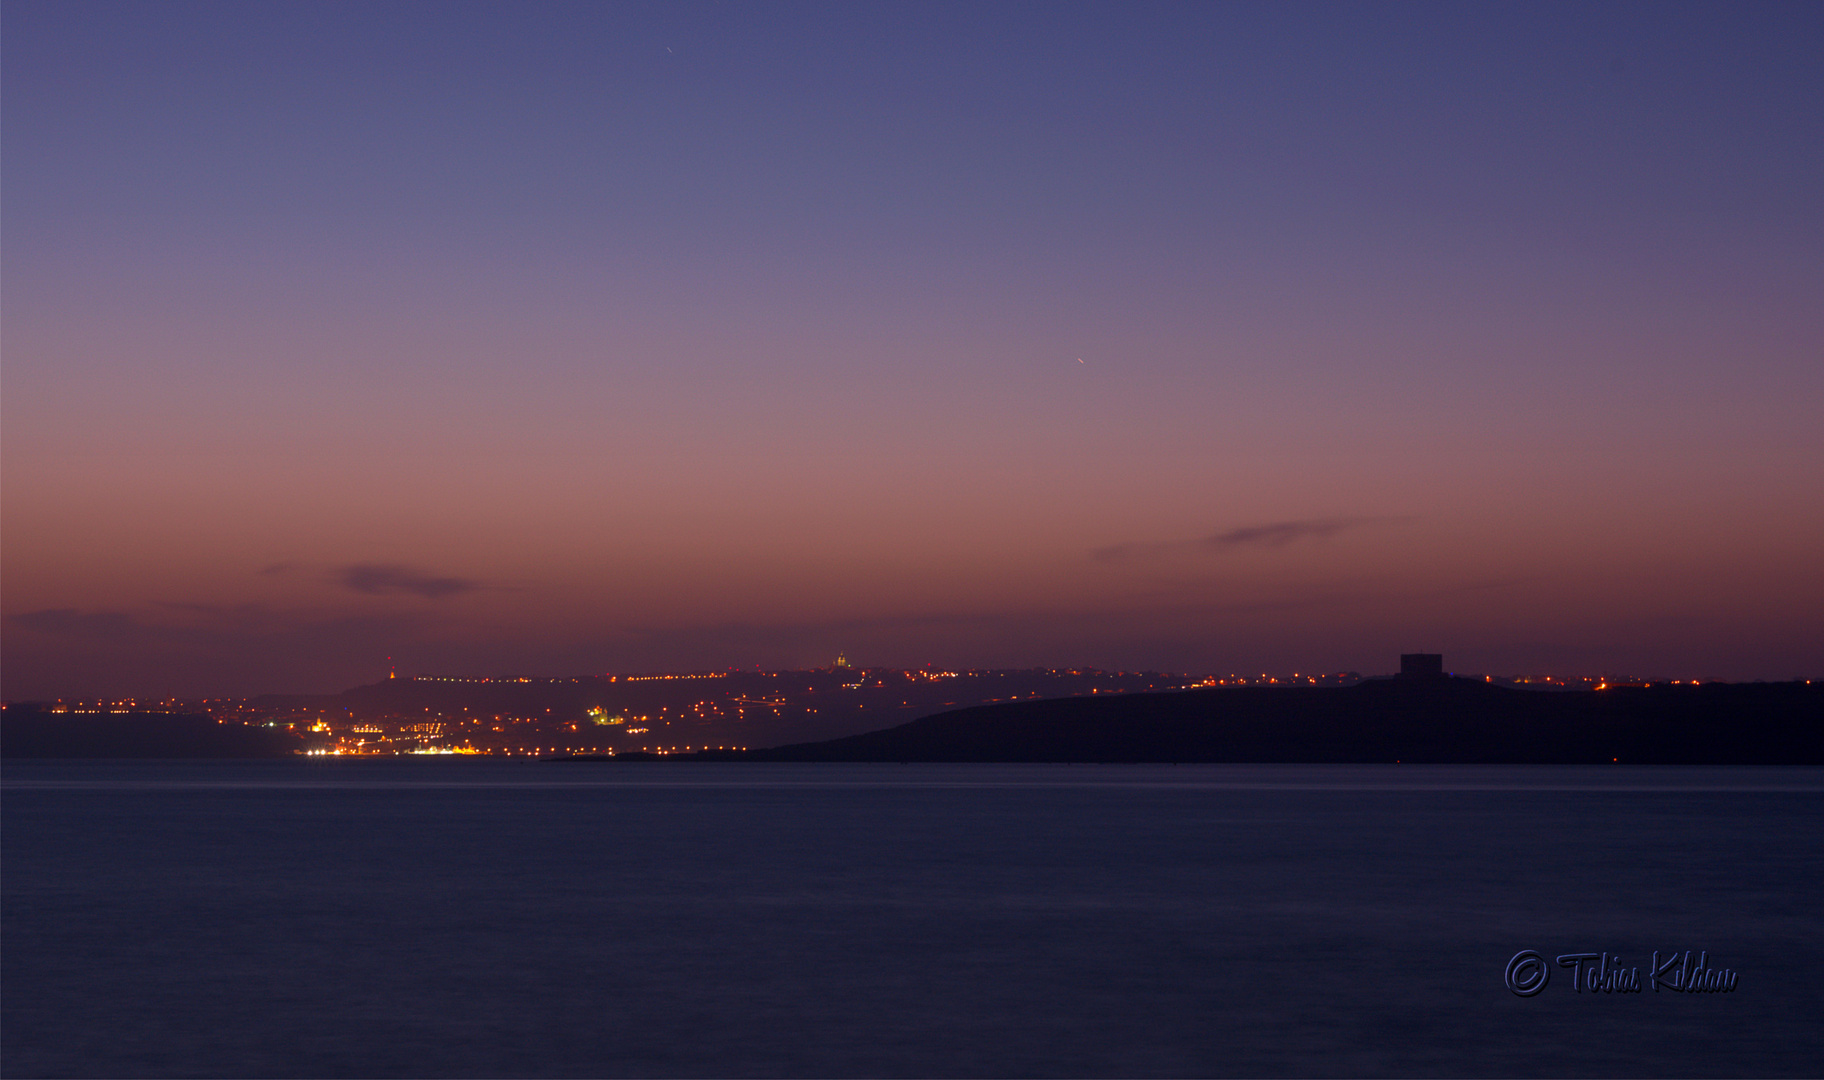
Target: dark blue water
[(466, 918)]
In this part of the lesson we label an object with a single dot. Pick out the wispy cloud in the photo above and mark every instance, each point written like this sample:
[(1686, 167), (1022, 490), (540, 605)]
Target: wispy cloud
[(183, 647), (1281, 533), (193, 624), (376, 578), (70, 623), (1277, 534)]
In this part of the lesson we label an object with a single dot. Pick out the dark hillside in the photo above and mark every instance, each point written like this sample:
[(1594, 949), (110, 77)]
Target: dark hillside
[(1457, 721), (26, 732)]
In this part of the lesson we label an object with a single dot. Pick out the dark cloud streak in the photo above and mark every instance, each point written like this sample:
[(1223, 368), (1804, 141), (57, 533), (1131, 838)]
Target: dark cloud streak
[(1272, 535), (376, 579), (1281, 533)]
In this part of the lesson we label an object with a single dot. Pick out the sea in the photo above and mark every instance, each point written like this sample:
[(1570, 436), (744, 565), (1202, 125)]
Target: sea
[(454, 918)]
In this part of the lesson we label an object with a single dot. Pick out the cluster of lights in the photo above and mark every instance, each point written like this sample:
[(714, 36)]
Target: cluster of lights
[(426, 738), (121, 705), (488, 679)]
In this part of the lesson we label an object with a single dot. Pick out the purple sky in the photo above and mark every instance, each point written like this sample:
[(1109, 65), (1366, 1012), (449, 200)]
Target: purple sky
[(549, 338)]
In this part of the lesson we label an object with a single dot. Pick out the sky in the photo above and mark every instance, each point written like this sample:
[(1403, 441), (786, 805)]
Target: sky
[(528, 338)]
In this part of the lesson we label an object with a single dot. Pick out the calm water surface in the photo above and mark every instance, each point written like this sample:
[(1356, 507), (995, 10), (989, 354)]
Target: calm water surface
[(516, 919)]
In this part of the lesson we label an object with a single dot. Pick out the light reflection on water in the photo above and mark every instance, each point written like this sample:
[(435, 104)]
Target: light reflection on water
[(664, 918), (412, 773)]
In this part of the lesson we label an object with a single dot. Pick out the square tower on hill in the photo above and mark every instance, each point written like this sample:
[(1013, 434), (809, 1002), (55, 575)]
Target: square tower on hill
[(1421, 665)]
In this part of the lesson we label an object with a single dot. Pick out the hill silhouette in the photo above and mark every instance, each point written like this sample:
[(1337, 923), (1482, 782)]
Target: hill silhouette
[(31, 732), (1446, 720)]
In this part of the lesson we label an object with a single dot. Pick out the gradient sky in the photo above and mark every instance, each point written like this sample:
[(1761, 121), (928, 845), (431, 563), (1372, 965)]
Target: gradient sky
[(554, 339)]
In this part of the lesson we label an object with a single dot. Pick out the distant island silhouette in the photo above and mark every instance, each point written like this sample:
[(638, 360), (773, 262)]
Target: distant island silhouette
[(1454, 721), (1419, 716), (32, 732), (1440, 720)]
